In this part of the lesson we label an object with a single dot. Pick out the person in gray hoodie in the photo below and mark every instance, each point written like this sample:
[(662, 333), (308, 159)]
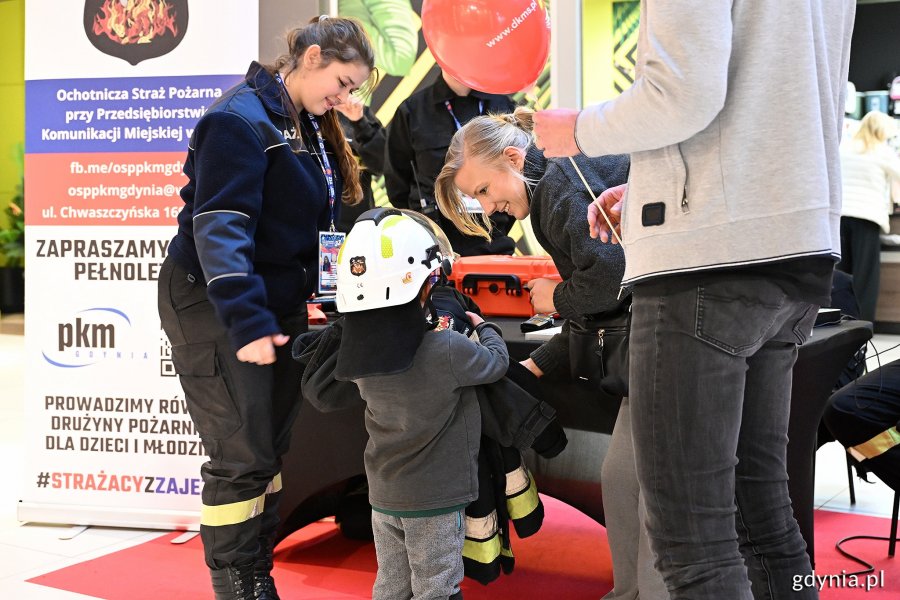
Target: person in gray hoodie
[(422, 413), (730, 227)]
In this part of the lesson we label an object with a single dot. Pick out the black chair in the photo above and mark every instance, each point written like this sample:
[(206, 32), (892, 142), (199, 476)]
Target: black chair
[(819, 364)]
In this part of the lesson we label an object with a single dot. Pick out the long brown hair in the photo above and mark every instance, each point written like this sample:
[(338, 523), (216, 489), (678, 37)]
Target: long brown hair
[(483, 138), (345, 40)]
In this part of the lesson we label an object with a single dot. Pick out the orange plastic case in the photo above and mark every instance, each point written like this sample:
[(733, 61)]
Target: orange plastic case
[(496, 282)]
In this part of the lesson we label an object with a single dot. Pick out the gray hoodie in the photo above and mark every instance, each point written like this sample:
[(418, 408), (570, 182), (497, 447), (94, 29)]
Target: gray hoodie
[(424, 424), (733, 126)]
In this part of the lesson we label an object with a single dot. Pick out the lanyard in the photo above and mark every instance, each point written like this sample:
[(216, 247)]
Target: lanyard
[(326, 168), (452, 114), (323, 161)]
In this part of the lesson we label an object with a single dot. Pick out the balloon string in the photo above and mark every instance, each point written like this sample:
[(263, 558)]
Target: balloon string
[(594, 198)]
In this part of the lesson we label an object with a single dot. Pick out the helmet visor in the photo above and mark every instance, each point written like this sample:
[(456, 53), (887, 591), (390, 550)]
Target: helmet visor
[(444, 246)]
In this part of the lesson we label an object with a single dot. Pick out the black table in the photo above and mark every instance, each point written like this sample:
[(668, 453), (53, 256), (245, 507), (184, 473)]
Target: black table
[(325, 461)]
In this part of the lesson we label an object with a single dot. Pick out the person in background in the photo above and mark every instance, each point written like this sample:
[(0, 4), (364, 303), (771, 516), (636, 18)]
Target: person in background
[(730, 226), (422, 412), (868, 167), (417, 140), (493, 159), (365, 135), (864, 416), (267, 169)]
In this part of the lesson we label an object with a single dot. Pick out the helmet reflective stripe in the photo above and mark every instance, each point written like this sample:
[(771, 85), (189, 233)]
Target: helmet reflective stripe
[(387, 248)]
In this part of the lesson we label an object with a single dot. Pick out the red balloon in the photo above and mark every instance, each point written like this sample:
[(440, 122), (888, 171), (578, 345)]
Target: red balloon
[(493, 46)]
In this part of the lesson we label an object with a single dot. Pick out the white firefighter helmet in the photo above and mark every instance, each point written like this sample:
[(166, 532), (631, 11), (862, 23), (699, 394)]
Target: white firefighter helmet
[(386, 258)]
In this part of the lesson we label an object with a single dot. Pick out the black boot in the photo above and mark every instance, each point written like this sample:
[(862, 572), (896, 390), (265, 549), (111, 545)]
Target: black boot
[(233, 583), (263, 583)]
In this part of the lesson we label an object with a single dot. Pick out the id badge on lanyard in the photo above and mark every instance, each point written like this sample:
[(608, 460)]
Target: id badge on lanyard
[(329, 241), (329, 246)]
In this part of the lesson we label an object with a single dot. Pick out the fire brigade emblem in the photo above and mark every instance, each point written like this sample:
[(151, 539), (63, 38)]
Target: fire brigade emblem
[(444, 322), (358, 265), (135, 30)]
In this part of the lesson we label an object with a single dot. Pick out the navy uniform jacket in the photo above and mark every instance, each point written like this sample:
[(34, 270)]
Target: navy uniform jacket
[(419, 134), (253, 208)]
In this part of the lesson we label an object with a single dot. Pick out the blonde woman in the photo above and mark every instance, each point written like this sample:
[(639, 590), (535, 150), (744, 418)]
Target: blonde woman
[(493, 160), (868, 165)]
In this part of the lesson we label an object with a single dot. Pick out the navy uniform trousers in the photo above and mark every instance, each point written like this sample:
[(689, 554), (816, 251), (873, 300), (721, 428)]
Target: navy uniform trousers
[(864, 416), (243, 412)]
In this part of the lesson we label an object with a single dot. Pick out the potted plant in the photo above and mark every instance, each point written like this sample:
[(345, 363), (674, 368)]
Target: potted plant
[(12, 255)]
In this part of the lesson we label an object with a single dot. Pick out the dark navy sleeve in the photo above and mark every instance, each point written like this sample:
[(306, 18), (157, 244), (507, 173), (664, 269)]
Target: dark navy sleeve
[(230, 164), (369, 141)]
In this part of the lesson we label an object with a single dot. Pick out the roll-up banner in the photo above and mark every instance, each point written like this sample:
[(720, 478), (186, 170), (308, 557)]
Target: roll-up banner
[(113, 90)]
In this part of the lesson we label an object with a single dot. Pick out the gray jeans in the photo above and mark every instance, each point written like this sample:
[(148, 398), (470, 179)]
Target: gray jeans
[(419, 558), (710, 383)]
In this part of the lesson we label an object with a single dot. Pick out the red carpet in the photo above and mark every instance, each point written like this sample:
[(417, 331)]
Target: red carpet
[(568, 558), (832, 568)]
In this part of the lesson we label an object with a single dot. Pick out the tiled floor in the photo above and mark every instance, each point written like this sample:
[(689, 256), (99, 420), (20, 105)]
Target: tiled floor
[(29, 550)]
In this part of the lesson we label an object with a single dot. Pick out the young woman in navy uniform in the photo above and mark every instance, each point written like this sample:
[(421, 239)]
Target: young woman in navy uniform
[(267, 169)]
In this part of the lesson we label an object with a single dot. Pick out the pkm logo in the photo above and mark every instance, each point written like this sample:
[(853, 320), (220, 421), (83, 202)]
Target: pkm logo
[(91, 335), (81, 334)]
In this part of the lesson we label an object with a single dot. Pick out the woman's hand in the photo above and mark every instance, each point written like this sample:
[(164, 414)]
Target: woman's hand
[(541, 292), (262, 351), (352, 108), (532, 366), (611, 201)]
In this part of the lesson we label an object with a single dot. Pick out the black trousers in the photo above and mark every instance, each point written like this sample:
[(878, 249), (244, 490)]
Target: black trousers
[(243, 412), (867, 408), (861, 257)]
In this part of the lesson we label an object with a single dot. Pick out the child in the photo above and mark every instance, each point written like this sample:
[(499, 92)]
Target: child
[(422, 414)]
